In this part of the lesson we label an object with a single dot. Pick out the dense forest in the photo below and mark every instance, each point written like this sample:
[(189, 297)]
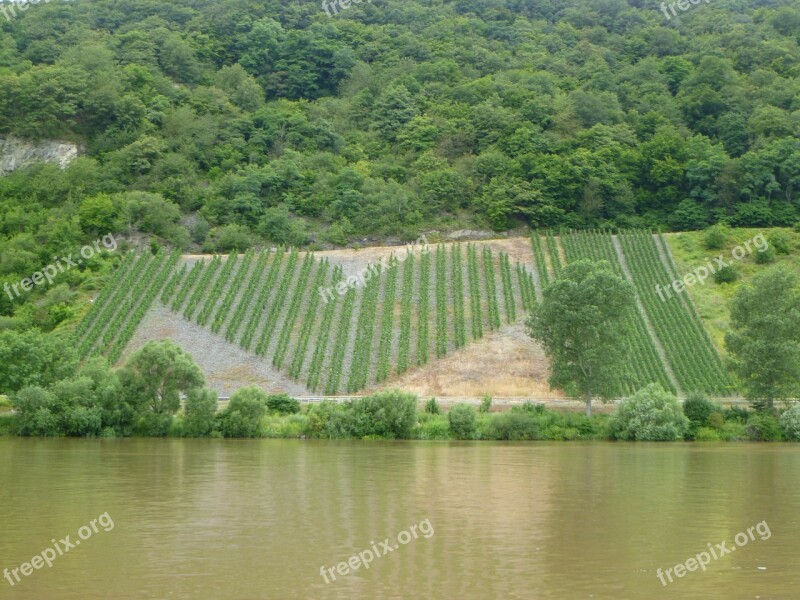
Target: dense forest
[(218, 125)]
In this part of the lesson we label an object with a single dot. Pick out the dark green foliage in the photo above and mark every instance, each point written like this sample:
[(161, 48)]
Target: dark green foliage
[(763, 428), (737, 414), (432, 407), (389, 414), (283, 404), (726, 274), (780, 242), (765, 257), (698, 409), (242, 417), (199, 412), (462, 419), (515, 426), (202, 128)]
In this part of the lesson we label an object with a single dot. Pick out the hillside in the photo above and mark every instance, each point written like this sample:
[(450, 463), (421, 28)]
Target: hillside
[(216, 126), (444, 320), (713, 299)]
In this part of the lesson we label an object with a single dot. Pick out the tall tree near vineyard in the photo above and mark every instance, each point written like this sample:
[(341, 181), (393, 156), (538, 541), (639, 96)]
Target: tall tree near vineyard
[(764, 337), (583, 323)]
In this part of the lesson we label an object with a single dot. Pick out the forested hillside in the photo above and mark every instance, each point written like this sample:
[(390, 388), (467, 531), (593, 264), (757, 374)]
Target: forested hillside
[(219, 125)]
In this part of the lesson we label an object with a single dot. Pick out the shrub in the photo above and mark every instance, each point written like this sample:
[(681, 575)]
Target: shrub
[(765, 257), (697, 408), (319, 418), (737, 414), (514, 426), (715, 237), (5, 402), (486, 404), (35, 416), (390, 414), (790, 423), (432, 427), (6, 424), (763, 428), (432, 407), (283, 404), (242, 417), (707, 434), (529, 407), (200, 412), (652, 414), (153, 424), (797, 227), (462, 420), (780, 241), (727, 274), (716, 420), (733, 431)]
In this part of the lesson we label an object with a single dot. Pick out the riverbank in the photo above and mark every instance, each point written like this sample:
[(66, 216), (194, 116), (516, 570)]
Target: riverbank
[(396, 415)]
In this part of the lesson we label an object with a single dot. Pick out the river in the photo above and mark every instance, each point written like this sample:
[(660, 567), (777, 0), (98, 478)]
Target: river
[(279, 519)]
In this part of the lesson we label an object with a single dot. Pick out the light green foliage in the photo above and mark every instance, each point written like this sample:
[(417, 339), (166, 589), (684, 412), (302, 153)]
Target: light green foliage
[(651, 415), (32, 358), (790, 423), (462, 419)]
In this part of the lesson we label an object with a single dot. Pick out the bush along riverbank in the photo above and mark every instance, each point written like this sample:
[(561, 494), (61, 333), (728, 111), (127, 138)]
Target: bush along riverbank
[(650, 415)]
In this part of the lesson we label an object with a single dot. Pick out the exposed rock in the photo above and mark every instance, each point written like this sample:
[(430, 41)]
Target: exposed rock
[(469, 234), (16, 153)]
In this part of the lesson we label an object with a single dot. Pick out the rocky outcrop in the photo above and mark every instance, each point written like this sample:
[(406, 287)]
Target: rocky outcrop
[(16, 153)]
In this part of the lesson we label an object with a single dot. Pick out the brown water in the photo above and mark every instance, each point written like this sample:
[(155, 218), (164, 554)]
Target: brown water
[(257, 519)]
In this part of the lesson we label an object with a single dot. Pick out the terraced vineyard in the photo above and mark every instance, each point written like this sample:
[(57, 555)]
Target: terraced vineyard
[(647, 366), (671, 346), (283, 306)]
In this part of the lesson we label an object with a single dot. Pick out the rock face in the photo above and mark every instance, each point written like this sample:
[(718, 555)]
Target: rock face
[(16, 153)]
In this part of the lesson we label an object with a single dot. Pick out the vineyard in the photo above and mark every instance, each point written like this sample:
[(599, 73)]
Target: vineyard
[(416, 309), (670, 344), (421, 307)]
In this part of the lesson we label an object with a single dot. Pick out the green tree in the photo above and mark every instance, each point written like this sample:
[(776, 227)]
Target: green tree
[(651, 415), (583, 323), (34, 358), (153, 380), (242, 417), (462, 419), (199, 412), (764, 337)]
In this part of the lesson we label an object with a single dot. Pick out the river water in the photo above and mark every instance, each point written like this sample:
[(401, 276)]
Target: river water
[(260, 519)]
